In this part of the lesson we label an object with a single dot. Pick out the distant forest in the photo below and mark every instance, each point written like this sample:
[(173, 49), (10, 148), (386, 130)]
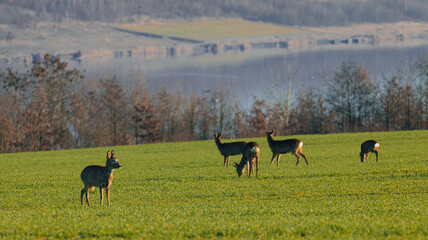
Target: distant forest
[(52, 107), (291, 12)]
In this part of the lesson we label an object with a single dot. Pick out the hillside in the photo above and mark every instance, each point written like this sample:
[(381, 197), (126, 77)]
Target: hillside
[(97, 41), (310, 13)]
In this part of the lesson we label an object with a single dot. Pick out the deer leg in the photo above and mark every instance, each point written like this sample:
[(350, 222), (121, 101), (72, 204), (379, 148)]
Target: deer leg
[(367, 157), (81, 195), (101, 195), (377, 156), (298, 158), (248, 168), (108, 196), (277, 160), (304, 156), (257, 167), (228, 159), (87, 196), (225, 160), (273, 157)]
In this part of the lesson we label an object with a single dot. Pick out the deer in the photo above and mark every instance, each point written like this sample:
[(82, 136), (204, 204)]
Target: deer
[(285, 146), (367, 147), (99, 176), (250, 156), (228, 149)]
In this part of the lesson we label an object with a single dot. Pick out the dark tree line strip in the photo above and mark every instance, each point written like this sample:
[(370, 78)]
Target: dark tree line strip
[(51, 107), (290, 12)]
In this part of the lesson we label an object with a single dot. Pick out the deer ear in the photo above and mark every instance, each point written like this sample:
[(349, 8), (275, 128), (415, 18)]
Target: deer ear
[(220, 134), (108, 154)]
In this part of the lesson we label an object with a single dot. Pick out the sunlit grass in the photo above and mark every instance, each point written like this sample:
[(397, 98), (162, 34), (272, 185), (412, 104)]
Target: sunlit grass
[(180, 190), (212, 29)]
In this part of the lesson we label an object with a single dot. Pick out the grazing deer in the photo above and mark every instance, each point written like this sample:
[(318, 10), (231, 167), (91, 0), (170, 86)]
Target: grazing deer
[(250, 155), (285, 146), (369, 146), (98, 176), (228, 149)]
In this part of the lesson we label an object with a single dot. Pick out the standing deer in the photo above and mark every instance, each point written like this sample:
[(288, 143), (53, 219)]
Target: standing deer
[(285, 146), (228, 149), (98, 176), (250, 155), (369, 146)]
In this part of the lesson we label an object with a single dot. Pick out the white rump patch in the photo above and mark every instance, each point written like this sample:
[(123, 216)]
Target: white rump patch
[(301, 144), (255, 149), (377, 145)]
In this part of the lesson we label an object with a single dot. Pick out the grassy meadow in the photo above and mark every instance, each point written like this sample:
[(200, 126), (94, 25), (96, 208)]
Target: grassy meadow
[(181, 190), (212, 29)]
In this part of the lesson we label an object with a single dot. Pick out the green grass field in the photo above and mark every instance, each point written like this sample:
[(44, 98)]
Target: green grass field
[(212, 29), (181, 190)]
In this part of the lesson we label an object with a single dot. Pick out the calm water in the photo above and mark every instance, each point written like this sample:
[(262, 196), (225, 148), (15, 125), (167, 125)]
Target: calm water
[(243, 75)]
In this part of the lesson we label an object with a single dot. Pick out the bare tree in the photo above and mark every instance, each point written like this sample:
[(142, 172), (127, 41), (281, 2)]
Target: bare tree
[(422, 89), (347, 94), (146, 121), (50, 86), (257, 119), (239, 128), (115, 111), (222, 109), (191, 116), (304, 119), (206, 122), (276, 117), (390, 102), (169, 106), (58, 84)]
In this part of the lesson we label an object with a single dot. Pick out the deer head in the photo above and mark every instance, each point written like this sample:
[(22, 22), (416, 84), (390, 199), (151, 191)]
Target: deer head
[(270, 133), (112, 161), (239, 169), (218, 135)]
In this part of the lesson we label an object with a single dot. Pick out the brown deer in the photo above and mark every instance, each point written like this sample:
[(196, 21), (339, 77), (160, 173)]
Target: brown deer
[(250, 155), (285, 146), (369, 146), (98, 176), (228, 149)]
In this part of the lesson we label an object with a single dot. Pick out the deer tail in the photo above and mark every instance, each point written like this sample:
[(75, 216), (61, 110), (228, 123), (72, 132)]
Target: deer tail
[(255, 149)]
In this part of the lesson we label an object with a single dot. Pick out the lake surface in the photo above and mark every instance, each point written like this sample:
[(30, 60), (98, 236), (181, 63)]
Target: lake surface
[(264, 74)]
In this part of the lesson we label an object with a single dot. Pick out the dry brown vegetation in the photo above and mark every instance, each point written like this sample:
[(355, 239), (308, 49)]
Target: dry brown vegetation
[(50, 107)]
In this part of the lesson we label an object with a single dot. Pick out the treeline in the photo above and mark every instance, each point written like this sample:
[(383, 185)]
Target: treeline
[(52, 107), (291, 12)]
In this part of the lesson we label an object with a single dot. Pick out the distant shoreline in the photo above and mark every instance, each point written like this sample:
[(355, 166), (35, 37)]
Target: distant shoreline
[(97, 42)]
